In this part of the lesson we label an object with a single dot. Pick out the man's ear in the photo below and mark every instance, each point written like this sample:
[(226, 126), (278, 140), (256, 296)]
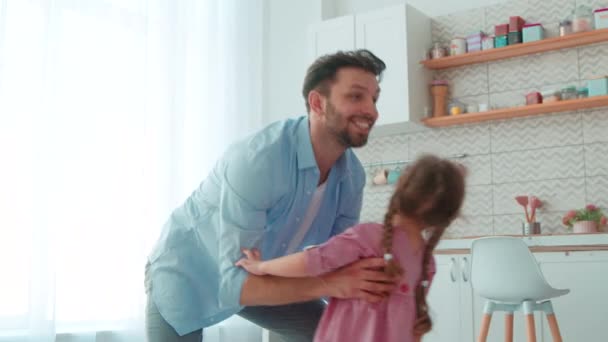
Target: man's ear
[(316, 100)]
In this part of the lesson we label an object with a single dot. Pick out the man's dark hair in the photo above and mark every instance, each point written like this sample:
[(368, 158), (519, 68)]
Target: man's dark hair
[(323, 71)]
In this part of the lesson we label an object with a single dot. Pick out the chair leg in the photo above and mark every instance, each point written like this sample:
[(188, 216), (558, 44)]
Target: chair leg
[(485, 327), (508, 327), (530, 328), (557, 337)]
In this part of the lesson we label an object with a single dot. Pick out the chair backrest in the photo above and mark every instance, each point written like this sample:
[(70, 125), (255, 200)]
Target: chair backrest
[(503, 268)]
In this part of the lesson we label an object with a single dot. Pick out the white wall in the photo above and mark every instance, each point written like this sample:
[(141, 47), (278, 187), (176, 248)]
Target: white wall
[(286, 57), (432, 8)]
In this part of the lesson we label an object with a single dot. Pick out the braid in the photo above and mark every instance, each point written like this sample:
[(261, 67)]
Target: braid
[(423, 322), (392, 267)]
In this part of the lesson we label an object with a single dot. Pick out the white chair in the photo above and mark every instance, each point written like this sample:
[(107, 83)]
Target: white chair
[(505, 273)]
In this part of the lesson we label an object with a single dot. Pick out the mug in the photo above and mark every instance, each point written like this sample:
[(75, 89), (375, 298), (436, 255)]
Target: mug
[(393, 176), (381, 177)]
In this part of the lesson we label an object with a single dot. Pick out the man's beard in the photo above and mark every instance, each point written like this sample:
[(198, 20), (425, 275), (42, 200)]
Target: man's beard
[(342, 135)]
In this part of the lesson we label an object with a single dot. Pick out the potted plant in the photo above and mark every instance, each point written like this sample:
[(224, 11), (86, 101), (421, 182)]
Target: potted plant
[(586, 220)]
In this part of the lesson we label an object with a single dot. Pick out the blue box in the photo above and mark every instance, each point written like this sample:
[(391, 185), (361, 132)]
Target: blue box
[(598, 86), (533, 32), (501, 41)]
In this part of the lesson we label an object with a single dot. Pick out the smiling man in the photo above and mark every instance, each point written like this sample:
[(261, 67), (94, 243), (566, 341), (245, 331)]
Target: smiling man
[(293, 184)]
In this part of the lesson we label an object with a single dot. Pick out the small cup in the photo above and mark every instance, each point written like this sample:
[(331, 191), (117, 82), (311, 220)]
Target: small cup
[(530, 228), (483, 107), (381, 177), (393, 176)]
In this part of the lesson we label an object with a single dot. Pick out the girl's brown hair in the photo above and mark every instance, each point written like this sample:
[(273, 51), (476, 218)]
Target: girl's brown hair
[(431, 191)]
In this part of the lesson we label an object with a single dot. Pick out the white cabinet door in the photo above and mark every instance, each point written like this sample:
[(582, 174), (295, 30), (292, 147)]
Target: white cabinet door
[(331, 36), (447, 300), (383, 33), (582, 314), (399, 36)]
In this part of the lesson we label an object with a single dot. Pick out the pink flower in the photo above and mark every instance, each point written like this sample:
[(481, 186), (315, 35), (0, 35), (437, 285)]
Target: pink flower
[(603, 221), (591, 207)]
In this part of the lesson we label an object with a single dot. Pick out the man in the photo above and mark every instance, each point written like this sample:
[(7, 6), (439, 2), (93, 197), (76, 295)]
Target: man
[(293, 184)]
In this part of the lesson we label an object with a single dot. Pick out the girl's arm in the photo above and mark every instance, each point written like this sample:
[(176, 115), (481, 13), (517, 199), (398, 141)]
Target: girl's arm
[(293, 265)]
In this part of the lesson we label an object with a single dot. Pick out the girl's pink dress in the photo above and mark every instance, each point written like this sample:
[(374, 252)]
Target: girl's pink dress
[(391, 320)]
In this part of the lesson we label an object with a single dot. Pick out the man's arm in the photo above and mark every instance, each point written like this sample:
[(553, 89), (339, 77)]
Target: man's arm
[(361, 279)]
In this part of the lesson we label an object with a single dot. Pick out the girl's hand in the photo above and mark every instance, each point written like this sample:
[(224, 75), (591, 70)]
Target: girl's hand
[(251, 262)]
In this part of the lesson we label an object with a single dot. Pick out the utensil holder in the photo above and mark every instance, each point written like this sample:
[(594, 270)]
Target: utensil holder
[(530, 228)]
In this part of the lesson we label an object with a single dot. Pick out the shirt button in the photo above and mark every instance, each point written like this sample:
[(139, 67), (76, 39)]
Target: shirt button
[(283, 245), (308, 192), (297, 219)]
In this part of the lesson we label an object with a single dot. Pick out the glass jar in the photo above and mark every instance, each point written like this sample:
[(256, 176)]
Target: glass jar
[(565, 27), (582, 19), (582, 92), (551, 95), (569, 93), (438, 51)]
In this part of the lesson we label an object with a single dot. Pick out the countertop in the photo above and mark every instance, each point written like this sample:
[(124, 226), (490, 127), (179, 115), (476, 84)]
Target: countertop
[(537, 243)]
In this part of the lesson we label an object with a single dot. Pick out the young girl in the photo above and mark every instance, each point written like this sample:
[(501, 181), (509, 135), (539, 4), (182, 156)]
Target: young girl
[(428, 196)]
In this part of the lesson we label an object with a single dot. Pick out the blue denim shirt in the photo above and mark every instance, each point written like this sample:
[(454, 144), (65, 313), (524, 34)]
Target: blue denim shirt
[(255, 196)]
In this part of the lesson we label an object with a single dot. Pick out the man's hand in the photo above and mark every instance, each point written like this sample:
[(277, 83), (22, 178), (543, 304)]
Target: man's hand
[(362, 279)]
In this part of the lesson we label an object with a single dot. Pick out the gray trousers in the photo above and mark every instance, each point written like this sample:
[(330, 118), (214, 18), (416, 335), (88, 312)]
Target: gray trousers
[(290, 323)]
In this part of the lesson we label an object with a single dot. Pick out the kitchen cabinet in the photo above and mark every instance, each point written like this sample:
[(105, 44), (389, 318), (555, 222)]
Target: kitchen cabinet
[(449, 300), (400, 36), (581, 314)]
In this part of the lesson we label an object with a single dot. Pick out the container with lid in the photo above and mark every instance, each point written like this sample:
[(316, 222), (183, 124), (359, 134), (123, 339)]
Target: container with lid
[(458, 46), (550, 95), (569, 93), (598, 86), (582, 19), (534, 98), (565, 27), (487, 42), (600, 16), (582, 92), (533, 32), (437, 51)]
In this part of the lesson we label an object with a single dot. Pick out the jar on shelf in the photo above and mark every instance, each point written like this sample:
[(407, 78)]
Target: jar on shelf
[(439, 90), (582, 92), (565, 27), (569, 93), (458, 46), (437, 51), (582, 19), (551, 95)]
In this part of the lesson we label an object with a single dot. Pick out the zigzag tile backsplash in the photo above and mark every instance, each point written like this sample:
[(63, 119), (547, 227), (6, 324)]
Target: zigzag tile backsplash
[(561, 158)]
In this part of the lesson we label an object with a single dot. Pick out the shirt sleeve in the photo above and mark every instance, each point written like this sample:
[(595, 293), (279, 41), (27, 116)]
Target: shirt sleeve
[(242, 219), (340, 250)]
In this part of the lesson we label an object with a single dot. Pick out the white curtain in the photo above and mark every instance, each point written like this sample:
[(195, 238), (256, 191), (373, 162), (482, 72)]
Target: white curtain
[(111, 112)]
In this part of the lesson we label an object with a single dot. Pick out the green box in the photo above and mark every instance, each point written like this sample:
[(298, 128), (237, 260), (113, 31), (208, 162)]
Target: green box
[(501, 41), (598, 86), (533, 32), (514, 38)]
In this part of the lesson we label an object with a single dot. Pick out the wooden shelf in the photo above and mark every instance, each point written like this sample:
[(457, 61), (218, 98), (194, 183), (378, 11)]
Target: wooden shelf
[(549, 44), (515, 112)]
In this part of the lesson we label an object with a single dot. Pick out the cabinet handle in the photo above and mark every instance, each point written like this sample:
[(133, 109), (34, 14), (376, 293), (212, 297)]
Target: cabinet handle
[(452, 265), (465, 268)]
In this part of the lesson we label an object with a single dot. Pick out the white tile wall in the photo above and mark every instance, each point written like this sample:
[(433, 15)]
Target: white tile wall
[(561, 158)]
